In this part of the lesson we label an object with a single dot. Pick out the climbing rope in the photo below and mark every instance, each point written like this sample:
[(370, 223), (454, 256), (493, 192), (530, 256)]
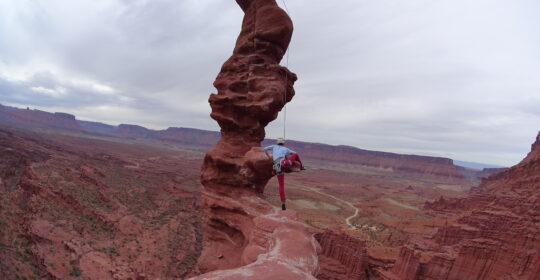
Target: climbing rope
[(285, 5), (285, 101), (286, 80)]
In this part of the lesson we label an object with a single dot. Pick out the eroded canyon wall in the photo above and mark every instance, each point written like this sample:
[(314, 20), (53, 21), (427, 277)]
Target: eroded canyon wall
[(342, 257), (494, 234)]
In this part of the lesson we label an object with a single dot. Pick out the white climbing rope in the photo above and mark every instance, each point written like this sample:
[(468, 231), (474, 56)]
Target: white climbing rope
[(286, 80), (285, 101), (285, 6)]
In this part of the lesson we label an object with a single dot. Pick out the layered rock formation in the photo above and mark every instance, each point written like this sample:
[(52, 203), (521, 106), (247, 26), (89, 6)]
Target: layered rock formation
[(406, 267), (241, 228), (494, 233), (407, 264), (342, 257)]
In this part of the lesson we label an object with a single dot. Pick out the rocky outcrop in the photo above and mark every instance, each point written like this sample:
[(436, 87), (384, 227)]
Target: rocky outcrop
[(342, 257), (244, 236), (277, 247), (496, 237)]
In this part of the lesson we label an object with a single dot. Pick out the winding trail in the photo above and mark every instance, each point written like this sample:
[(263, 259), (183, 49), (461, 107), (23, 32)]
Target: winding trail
[(348, 219)]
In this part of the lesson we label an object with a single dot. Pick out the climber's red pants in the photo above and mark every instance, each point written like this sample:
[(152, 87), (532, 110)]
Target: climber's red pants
[(286, 164), (281, 181)]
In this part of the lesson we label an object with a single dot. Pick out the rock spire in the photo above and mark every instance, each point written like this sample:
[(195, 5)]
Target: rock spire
[(245, 237)]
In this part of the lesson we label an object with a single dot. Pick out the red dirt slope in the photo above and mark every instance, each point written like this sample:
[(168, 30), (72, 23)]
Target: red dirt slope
[(74, 208)]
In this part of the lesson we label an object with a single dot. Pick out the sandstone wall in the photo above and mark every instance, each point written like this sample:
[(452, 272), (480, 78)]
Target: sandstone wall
[(342, 257)]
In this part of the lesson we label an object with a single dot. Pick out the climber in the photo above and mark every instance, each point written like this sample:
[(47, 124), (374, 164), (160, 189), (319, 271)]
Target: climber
[(285, 161)]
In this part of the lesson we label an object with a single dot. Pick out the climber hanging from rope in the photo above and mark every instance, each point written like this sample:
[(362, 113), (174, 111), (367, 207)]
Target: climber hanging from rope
[(285, 161)]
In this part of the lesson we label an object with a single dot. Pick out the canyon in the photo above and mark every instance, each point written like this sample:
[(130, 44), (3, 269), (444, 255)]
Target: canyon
[(71, 202), (85, 200)]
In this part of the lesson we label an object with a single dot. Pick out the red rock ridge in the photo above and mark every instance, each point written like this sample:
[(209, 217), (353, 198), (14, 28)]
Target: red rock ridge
[(38, 119), (244, 236), (412, 166), (433, 168), (132, 131)]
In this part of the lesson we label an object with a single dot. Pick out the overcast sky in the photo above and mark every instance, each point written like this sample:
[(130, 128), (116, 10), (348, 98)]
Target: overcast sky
[(451, 78)]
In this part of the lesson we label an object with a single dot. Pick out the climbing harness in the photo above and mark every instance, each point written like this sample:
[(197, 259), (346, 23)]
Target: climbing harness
[(282, 165), (277, 166)]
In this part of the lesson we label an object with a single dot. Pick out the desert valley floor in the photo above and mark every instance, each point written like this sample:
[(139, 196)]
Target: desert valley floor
[(81, 205)]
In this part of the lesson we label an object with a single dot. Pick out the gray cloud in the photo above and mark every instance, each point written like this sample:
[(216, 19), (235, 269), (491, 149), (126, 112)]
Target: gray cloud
[(449, 78)]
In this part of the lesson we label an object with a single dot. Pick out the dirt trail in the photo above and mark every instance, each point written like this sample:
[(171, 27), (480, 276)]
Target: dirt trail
[(348, 219)]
